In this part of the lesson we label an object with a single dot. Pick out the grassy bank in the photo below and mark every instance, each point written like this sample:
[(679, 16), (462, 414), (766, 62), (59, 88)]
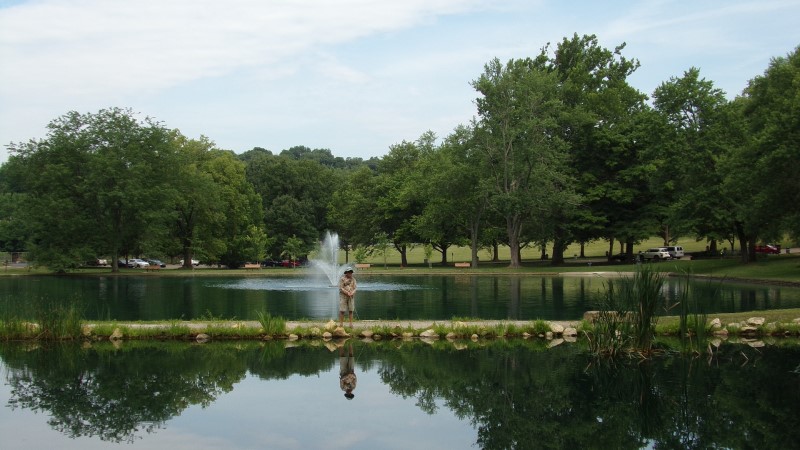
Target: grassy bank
[(777, 323)]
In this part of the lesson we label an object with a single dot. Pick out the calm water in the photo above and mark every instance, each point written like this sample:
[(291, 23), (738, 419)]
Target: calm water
[(408, 395), (380, 297)]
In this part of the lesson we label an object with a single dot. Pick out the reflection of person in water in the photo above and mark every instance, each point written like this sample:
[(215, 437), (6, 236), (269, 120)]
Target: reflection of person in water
[(347, 372)]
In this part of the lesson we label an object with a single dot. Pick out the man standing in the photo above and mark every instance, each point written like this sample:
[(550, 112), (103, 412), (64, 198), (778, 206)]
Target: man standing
[(347, 292)]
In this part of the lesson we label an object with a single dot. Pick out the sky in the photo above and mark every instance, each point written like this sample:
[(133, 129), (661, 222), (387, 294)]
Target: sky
[(352, 76)]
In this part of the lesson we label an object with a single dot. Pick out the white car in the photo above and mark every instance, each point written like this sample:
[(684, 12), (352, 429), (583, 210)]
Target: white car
[(655, 254), (194, 262), (137, 263)]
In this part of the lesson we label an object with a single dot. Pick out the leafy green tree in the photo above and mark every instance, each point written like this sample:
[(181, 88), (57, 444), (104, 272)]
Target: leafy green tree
[(687, 172), (98, 184), (352, 212), (295, 191), (293, 248), (400, 200), (772, 111), (241, 228), (451, 180), (598, 106), (518, 134)]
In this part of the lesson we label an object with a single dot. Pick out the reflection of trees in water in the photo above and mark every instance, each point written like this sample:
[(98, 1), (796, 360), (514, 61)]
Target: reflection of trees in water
[(523, 398), (515, 393), (116, 394)]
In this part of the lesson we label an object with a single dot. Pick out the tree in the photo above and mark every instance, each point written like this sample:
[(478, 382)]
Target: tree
[(352, 212), (293, 248), (400, 200), (599, 106), (518, 134), (759, 174), (456, 198), (295, 191), (98, 184), (687, 175)]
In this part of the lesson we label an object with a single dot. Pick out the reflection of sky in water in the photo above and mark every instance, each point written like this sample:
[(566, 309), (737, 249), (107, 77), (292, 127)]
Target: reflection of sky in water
[(248, 417), (308, 284)]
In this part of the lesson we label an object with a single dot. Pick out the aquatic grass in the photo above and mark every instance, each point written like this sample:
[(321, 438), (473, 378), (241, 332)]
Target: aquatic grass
[(694, 330), (627, 317), (272, 325), (540, 326), (57, 320), (14, 328)]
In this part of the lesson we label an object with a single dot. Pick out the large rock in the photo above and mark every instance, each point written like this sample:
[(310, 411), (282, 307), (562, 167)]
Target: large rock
[(429, 334), (570, 332), (330, 326), (339, 332), (557, 328), (756, 321), (116, 334)]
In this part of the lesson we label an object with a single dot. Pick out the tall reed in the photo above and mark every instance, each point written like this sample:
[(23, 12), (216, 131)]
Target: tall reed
[(693, 303), (627, 316), (272, 325), (57, 319)]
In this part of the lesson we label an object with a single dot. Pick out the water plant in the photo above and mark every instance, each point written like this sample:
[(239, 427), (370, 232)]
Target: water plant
[(694, 331), (272, 325), (627, 317), (57, 320)]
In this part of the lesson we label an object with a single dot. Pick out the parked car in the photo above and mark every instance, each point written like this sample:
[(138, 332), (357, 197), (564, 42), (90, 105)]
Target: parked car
[(675, 251), (136, 263), (271, 263), (622, 257), (156, 262), (655, 254), (97, 262), (194, 262), (768, 249), (288, 263)]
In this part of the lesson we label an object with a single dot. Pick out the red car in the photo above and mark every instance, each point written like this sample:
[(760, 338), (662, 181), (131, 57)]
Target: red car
[(287, 263), (769, 248)]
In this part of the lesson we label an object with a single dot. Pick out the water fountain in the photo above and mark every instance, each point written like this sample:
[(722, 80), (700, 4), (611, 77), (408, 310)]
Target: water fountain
[(327, 260)]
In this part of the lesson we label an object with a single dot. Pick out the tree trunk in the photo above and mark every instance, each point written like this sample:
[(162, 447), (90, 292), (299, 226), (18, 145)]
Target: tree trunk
[(473, 236), (558, 247), (513, 228), (444, 254)]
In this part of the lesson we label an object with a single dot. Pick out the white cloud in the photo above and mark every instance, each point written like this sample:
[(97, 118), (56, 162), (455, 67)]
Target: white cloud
[(348, 75)]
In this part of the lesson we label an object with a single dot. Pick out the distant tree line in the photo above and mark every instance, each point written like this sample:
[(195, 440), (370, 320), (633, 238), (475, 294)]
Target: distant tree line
[(563, 150)]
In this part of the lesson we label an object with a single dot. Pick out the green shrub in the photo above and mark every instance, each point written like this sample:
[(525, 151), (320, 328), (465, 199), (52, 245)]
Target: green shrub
[(272, 325)]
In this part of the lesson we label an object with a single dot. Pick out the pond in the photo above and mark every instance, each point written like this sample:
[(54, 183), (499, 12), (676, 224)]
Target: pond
[(408, 394), (388, 297)]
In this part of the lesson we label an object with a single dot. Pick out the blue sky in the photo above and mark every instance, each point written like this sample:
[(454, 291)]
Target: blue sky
[(353, 76)]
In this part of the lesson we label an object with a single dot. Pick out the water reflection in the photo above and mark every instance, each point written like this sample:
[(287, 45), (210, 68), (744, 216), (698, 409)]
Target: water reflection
[(429, 297), (515, 394)]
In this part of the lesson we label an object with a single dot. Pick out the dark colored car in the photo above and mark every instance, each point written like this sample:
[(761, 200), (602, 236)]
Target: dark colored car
[(270, 263), (621, 257), (156, 262)]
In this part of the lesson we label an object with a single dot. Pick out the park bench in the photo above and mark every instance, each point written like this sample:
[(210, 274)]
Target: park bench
[(252, 266), (463, 264), (363, 266), (152, 267)]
